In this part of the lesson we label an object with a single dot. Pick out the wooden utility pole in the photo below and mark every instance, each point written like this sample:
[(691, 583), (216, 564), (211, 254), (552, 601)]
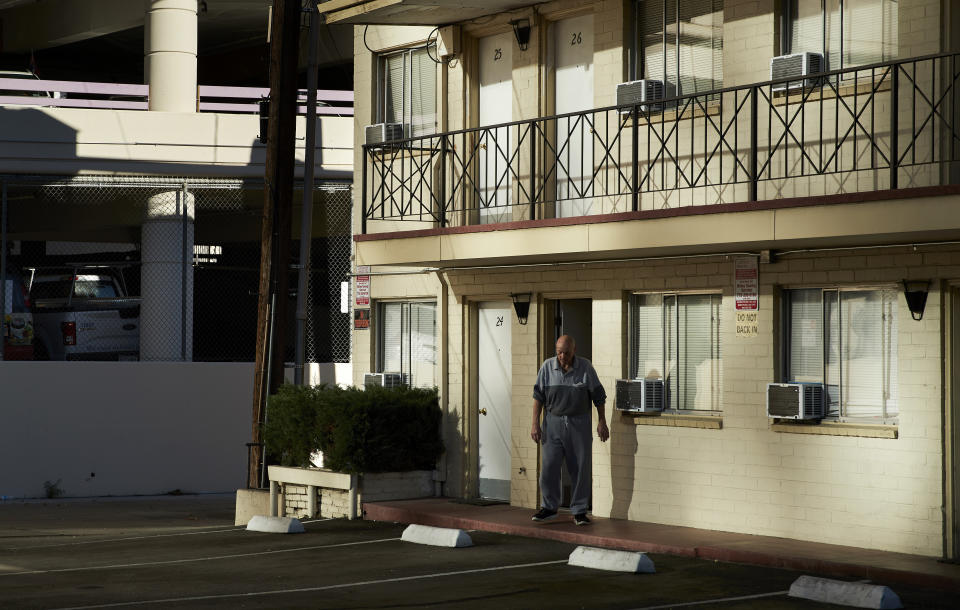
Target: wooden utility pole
[(277, 207)]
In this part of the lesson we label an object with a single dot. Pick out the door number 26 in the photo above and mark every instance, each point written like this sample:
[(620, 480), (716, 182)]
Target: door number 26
[(576, 38)]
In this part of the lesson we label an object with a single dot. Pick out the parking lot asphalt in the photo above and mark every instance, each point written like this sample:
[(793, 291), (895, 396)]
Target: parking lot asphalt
[(184, 552)]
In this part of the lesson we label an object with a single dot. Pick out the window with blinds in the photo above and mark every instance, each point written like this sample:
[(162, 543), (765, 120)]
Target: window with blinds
[(680, 42), (847, 32), (407, 341), (677, 338), (407, 85), (846, 339)]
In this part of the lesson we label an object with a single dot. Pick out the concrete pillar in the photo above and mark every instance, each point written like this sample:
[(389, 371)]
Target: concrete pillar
[(170, 68), (170, 54), (166, 310)]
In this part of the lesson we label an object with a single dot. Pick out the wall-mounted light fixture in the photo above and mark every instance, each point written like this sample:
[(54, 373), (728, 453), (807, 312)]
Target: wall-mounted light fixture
[(915, 291), (521, 29), (521, 305)]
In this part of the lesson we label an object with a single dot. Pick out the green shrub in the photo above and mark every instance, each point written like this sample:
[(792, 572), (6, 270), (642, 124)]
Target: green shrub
[(290, 432), (371, 430)]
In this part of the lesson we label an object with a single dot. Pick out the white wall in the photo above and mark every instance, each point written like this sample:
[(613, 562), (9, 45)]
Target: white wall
[(73, 140), (141, 427)]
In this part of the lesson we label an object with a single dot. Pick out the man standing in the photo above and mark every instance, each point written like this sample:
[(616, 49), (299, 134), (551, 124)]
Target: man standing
[(565, 387)]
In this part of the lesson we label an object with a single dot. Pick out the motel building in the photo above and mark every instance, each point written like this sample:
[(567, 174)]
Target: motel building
[(711, 196)]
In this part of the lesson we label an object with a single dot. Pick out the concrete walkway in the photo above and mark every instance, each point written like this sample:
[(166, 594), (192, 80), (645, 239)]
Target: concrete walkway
[(880, 567)]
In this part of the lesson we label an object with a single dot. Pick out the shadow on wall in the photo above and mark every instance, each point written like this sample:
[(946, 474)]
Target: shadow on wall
[(30, 133), (453, 466), (34, 141), (623, 465)]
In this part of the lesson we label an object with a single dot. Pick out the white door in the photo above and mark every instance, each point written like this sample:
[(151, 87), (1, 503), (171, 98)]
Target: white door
[(573, 44), (495, 382), (496, 107)]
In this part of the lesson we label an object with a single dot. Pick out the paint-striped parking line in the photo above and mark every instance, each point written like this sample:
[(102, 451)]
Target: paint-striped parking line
[(238, 528), (363, 583), (122, 566), (726, 599), (718, 600), (124, 539)]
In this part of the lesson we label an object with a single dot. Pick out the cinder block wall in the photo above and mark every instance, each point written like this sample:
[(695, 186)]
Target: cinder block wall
[(862, 491), (880, 493)]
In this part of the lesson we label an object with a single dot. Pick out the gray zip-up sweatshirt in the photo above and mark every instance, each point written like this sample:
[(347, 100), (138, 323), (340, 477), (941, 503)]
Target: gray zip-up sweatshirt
[(571, 392)]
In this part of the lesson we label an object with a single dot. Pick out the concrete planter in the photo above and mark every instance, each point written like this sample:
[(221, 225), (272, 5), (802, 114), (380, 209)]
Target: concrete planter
[(318, 492)]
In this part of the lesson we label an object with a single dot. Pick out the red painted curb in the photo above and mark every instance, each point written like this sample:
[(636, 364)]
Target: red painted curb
[(562, 532), (567, 532)]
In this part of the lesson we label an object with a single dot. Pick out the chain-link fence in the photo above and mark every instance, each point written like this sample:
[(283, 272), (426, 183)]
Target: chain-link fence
[(161, 268)]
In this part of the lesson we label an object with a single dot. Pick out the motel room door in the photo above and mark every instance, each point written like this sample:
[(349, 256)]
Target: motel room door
[(573, 78), (495, 391), (496, 107)]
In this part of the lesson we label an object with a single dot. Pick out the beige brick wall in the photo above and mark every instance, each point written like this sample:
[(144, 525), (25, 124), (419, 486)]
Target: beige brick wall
[(870, 492), (852, 490), (374, 487), (295, 500), (919, 28), (751, 37), (334, 504), (527, 348)]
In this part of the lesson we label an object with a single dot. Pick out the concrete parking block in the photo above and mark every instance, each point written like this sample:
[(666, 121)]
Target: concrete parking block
[(856, 594), (611, 560), (436, 536), (275, 525)]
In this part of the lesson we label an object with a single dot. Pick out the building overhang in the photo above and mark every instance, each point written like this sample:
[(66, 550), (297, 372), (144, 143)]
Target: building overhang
[(907, 216), (414, 12)]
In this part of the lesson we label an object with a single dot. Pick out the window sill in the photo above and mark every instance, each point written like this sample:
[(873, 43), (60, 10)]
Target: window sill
[(673, 113), (389, 151), (863, 86), (675, 420), (831, 428)]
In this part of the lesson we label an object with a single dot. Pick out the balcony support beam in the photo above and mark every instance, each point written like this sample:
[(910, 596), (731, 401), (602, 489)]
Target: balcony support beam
[(753, 143), (635, 139), (894, 136)]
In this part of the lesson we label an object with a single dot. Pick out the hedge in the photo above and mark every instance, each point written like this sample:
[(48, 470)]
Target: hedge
[(358, 430)]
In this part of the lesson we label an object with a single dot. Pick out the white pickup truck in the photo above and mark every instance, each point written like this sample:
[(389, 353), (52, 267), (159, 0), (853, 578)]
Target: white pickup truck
[(83, 313)]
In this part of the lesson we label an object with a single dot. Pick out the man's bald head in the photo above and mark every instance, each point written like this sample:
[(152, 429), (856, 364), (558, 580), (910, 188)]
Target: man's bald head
[(566, 348)]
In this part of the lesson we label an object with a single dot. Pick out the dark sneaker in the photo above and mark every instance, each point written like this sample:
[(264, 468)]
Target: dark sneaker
[(545, 515), (581, 519)]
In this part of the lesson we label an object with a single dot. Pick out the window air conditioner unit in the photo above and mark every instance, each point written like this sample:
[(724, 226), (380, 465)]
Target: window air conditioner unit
[(640, 92), (640, 395), (381, 133), (796, 65), (384, 380), (796, 400)]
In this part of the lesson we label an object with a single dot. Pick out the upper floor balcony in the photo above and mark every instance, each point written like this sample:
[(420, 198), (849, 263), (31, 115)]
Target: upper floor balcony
[(755, 166), (69, 127)]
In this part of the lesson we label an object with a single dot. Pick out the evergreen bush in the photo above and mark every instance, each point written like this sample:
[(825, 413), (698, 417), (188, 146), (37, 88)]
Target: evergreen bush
[(290, 432), (359, 430)]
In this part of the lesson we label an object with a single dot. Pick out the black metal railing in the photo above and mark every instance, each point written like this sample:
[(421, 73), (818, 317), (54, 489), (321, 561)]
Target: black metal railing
[(882, 126)]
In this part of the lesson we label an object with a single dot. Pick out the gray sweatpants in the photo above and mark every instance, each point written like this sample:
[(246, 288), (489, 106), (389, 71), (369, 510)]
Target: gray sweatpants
[(566, 438)]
